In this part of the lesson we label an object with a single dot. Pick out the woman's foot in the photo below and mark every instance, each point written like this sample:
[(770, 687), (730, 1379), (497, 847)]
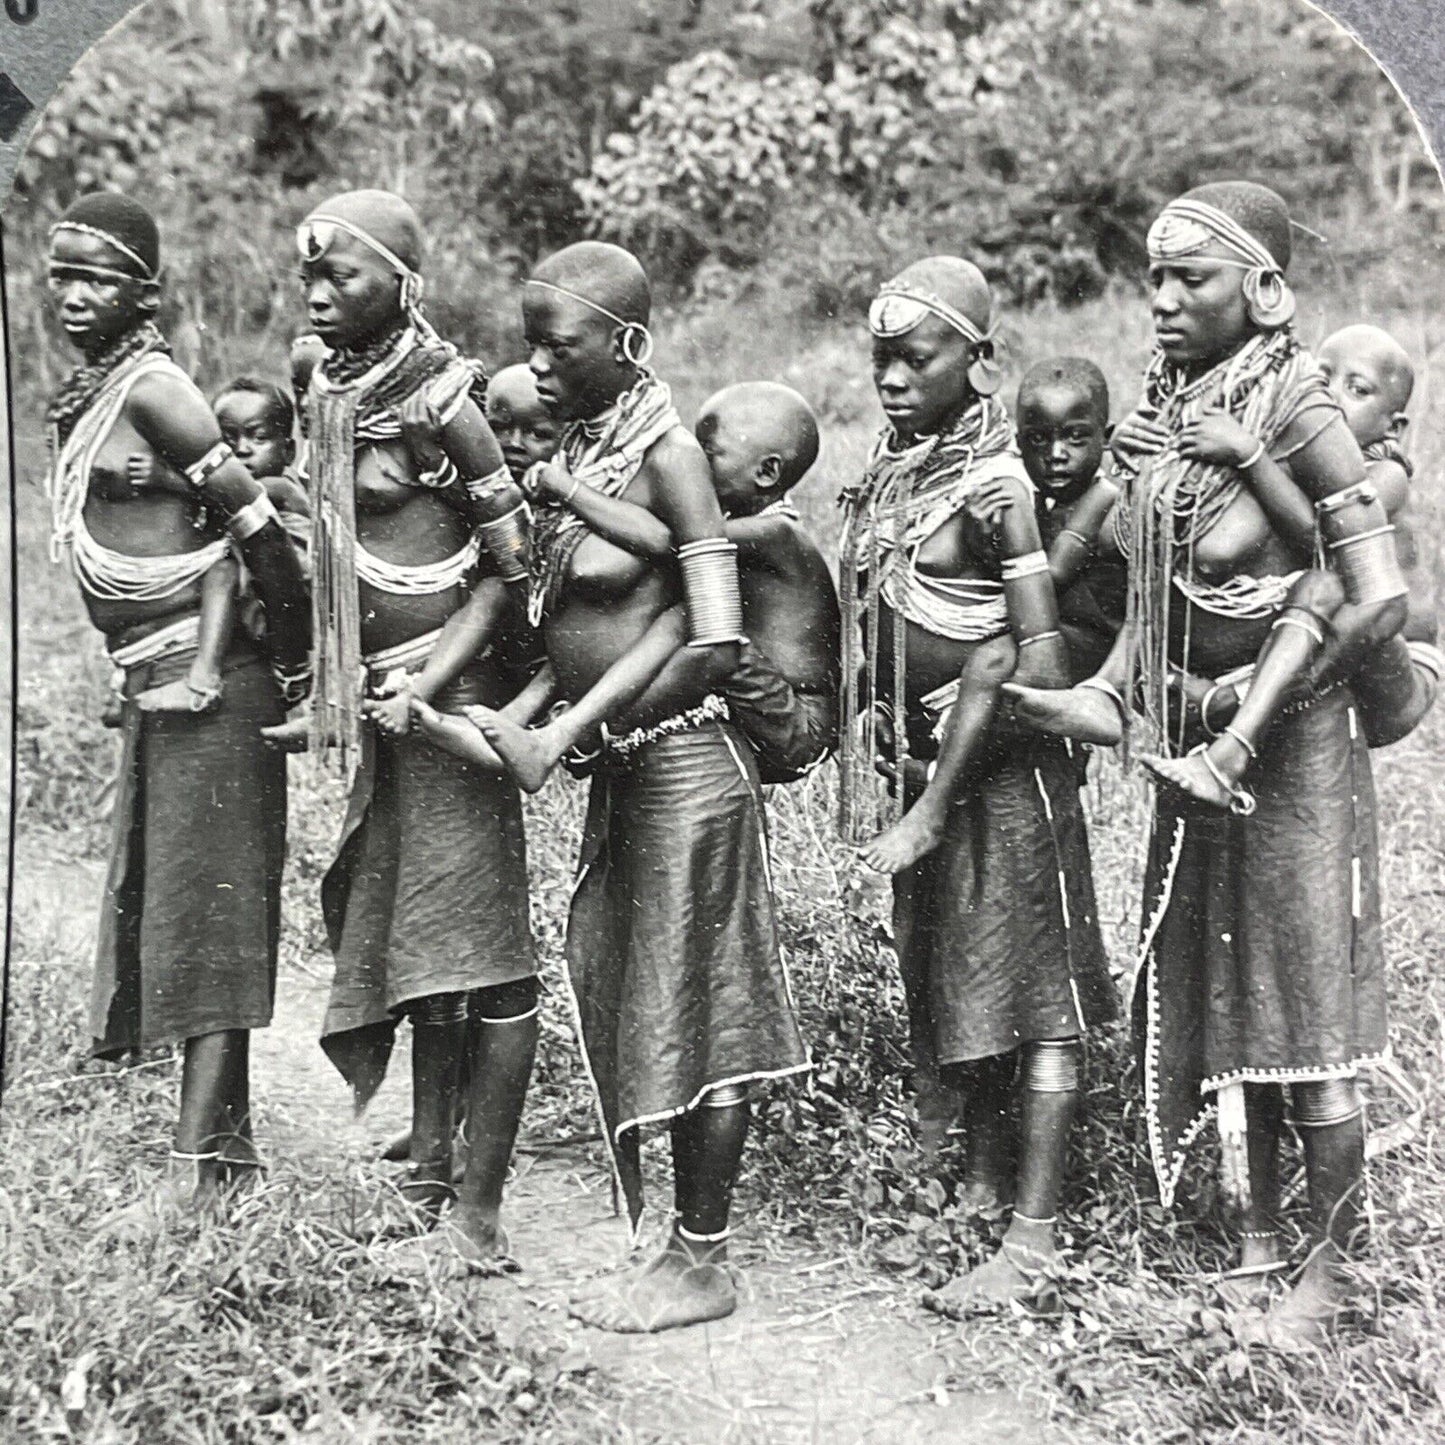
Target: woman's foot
[(1307, 1317), (529, 754), (185, 1192), (466, 1242), (915, 835), (677, 1288), (1082, 713), (1011, 1275), (411, 1206), (1256, 1279)]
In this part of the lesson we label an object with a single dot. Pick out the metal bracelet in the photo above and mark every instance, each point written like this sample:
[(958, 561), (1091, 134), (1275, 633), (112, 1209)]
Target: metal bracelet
[(199, 472), (251, 518)]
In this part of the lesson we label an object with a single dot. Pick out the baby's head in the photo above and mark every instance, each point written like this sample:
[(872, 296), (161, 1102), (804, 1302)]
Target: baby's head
[(1371, 377), (1063, 424), (760, 438), (256, 419), (525, 430)]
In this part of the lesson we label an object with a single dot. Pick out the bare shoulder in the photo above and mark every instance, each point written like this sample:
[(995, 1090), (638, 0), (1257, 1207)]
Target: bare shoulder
[(675, 451), (165, 388)]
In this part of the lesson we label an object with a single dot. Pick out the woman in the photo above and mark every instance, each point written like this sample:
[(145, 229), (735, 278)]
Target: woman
[(1003, 966), (417, 524), (1260, 960), (147, 499)]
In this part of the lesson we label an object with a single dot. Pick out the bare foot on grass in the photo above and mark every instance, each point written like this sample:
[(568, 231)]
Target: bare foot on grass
[(1081, 713), (915, 835), (673, 1290), (1307, 1317), (1011, 1275), (181, 1195)]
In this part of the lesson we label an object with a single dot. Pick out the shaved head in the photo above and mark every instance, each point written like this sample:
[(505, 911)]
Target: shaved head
[(1066, 373), (769, 419), (1389, 360), (602, 273), (516, 386), (958, 282)]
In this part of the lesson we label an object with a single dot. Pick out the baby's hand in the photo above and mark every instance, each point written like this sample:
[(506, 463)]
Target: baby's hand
[(142, 470), (391, 714), (550, 479), (421, 429), (1216, 438), (425, 713), (988, 502), (1139, 435)]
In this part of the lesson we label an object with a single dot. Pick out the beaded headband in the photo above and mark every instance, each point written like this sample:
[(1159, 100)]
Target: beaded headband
[(317, 233), (630, 329), (898, 309), (1185, 227), (114, 242)]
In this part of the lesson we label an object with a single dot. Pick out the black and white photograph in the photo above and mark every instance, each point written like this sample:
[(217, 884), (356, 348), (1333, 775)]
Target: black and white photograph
[(720, 722)]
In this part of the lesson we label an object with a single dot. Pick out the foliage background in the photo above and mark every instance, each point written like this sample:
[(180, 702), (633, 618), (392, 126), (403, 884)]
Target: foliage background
[(772, 161)]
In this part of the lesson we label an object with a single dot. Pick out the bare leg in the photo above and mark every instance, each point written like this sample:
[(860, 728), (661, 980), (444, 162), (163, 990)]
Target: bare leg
[(1051, 1081), (988, 1182), (201, 688), (501, 1071), (1335, 1170), (688, 1282), (530, 754), (1213, 775), (1262, 1253), (456, 735), (439, 1032), (920, 829), (195, 1174)]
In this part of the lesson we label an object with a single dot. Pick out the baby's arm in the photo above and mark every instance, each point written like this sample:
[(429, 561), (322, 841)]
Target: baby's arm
[(624, 524), (1074, 547)]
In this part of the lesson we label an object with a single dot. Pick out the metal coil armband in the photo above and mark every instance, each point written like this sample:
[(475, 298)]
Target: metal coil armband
[(710, 591), (1362, 547), (251, 518), (483, 489), (505, 539), (199, 472)]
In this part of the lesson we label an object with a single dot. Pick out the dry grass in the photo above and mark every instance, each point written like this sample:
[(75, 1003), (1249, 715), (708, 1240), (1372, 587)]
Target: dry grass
[(277, 1325)]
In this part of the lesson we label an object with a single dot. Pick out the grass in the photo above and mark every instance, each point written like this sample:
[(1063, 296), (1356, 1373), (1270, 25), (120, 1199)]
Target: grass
[(278, 1326)]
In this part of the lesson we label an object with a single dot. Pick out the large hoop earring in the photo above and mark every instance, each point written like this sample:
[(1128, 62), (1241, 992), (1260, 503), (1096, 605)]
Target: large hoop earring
[(635, 343), (985, 375), (1269, 298)]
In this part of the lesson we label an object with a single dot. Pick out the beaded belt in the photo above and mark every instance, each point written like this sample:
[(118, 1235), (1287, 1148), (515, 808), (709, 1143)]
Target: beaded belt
[(712, 708)]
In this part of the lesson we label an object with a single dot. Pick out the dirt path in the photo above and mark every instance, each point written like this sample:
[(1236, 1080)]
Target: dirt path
[(818, 1352)]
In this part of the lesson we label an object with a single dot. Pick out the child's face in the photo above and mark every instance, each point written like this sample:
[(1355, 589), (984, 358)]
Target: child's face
[(733, 458), (1062, 437), (1364, 382), (524, 430), (1200, 315), (249, 426), (922, 376)]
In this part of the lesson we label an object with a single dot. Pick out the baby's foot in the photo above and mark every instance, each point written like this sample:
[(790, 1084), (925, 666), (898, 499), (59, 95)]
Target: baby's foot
[(915, 835), (529, 754), (1082, 713), (197, 692)]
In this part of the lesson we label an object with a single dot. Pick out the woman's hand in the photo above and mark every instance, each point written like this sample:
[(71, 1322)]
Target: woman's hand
[(146, 472), (1218, 440), (421, 429), (1139, 435)]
